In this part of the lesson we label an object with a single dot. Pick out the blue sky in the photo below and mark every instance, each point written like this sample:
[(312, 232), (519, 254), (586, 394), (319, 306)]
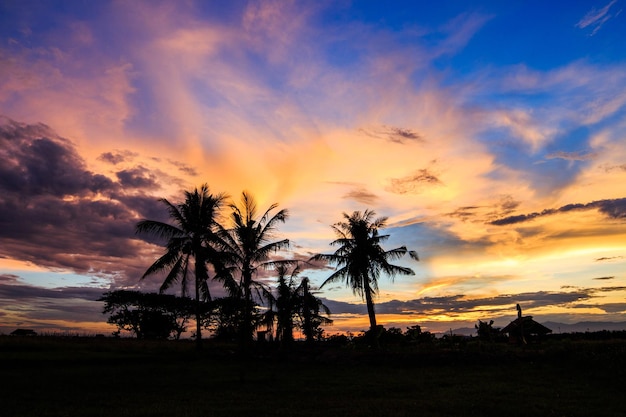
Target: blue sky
[(491, 134)]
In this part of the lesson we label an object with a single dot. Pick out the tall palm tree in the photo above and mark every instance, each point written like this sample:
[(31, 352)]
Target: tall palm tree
[(192, 236), (248, 244), (360, 259)]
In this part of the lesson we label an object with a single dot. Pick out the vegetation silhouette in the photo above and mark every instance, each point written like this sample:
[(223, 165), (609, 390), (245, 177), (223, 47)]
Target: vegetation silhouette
[(297, 306), (360, 259), (148, 315), (191, 237), (563, 376), (245, 247)]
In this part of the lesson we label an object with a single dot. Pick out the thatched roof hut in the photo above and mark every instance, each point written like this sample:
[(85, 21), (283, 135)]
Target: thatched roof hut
[(524, 327)]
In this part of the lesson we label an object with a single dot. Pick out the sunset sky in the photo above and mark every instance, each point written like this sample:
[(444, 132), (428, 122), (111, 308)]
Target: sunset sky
[(491, 134)]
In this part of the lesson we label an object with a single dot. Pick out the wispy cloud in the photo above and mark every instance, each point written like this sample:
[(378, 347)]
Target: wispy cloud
[(595, 19), (393, 134), (413, 183), (615, 209), (572, 156)]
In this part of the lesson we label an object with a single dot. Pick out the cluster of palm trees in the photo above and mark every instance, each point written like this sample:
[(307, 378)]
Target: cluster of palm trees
[(197, 242)]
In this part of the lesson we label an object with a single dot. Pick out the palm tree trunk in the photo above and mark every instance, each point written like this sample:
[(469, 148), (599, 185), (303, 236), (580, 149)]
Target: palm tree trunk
[(308, 323), (370, 309), (200, 274), (247, 330), (371, 313), (198, 317)]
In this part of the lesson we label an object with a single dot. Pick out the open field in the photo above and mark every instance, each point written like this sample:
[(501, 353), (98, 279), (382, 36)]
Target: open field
[(45, 376)]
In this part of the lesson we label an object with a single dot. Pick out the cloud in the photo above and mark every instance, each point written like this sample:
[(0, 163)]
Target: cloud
[(39, 162), (457, 305), (413, 183), (61, 309), (392, 134), (117, 157), (56, 213), (596, 18), (613, 208), (608, 168), (184, 168), (608, 258), (362, 196), (138, 177), (572, 156)]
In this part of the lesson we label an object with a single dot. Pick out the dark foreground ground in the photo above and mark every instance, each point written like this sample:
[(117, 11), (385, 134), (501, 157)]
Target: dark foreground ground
[(45, 376)]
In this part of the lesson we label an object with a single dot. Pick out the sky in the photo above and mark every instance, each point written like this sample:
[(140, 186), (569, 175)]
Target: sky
[(491, 134)]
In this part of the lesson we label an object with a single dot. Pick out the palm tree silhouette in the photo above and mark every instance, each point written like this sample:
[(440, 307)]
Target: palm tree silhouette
[(296, 305), (311, 311), (192, 235), (360, 259), (248, 245), (286, 304)]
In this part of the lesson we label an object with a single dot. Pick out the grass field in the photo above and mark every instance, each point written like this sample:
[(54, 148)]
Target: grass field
[(46, 376)]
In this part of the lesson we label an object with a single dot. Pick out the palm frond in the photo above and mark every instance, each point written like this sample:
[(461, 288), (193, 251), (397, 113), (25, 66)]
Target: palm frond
[(158, 229)]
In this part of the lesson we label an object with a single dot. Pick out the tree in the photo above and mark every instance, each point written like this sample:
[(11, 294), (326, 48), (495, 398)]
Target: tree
[(486, 331), (147, 315), (311, 312), (247, 245), (297, 306), (286, 304), (192, 236), (360, 259), (225, 318)]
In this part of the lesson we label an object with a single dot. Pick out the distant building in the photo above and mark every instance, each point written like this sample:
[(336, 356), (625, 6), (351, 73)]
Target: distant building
[(524, 328), (23, 332)]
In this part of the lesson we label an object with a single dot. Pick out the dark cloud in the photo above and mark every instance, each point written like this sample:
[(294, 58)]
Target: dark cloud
[(612, 307), (610, 258), (413, 183), (56, 213), (393, 134), (609, 168), (614, 209), (603, 278), (36, 161), (504, 206), (457, 305), (184, 168), (117, 157), (8, 278), (138, 177), (70, 305), (465, 213), (18, 291), (362, 196)]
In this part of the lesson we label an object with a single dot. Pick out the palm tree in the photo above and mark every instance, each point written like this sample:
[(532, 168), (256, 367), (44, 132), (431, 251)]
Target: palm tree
[(286, 304), (360, 259), (297, 305), (311, 311), (248, 245), (190, 237)]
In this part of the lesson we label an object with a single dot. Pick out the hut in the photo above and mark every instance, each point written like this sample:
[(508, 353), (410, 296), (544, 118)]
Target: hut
[(23, 332), (524, 328)]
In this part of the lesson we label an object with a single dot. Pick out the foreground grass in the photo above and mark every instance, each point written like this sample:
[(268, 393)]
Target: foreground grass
[(107, 377)]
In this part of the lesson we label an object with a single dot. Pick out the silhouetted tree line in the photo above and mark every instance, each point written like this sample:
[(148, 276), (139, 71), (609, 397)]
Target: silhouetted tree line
[(201, 246), (148, 315)]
